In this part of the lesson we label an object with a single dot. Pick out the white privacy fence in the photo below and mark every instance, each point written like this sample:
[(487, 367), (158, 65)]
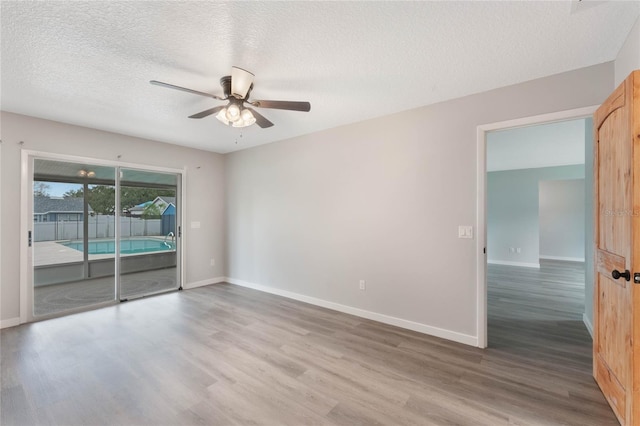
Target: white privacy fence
[(99, 227)]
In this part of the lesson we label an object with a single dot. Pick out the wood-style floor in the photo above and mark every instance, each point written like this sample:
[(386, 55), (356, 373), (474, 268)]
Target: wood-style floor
[(223, 354)]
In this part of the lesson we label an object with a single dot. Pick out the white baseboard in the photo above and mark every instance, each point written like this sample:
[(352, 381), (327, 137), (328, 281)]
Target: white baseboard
[(566, 259), (587, 323), (11, 322), (202, 283), (386, 319), (509, 263)]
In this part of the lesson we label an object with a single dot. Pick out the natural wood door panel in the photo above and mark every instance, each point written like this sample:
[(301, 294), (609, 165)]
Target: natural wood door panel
[(614, 328), (614, 173), (612, 388), (607, 262), (617, 233)]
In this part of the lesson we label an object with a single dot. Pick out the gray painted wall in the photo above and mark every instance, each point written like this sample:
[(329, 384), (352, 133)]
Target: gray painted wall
[(513, 209), (562, 219), (204, 198), (381, 200), (588, 200)]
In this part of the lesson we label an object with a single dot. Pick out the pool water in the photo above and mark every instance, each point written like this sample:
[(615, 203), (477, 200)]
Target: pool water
[(126, 246)]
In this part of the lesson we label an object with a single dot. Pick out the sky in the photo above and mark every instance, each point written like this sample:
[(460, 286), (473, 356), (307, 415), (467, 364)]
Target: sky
[(58, 189)]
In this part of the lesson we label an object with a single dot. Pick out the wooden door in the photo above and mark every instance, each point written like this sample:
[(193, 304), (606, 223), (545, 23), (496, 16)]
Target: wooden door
[(616, 344)]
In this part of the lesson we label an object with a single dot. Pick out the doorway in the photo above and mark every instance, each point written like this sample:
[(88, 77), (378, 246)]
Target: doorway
[(482, 244), (101, 234)]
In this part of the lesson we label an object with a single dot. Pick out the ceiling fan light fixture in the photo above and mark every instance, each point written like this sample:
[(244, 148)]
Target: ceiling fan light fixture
[(247, 117), (233, 113), (241, 81), (222, 116)]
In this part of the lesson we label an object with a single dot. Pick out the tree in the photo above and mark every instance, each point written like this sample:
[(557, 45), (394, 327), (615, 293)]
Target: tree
[(41, 189), (152, 211), (102, 199), (74, 193)]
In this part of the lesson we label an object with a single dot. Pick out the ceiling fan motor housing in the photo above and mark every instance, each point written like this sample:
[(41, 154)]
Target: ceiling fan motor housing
[(225, 82)]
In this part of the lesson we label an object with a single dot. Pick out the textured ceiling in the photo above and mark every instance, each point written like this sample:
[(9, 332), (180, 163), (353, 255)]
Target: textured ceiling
[(89, 63)]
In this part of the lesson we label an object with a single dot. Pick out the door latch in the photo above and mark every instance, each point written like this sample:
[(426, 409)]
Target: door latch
[(636, 277), (29, 238), (617, 274)]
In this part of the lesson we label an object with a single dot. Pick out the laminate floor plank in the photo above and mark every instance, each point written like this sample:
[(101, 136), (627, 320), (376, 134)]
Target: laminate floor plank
[(227, 355)]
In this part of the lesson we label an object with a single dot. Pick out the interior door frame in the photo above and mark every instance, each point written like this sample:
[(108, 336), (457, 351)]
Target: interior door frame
[(481, 208), (27, 158)]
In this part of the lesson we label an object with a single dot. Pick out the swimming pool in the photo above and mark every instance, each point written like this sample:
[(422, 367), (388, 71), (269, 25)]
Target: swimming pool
[(126, 246)]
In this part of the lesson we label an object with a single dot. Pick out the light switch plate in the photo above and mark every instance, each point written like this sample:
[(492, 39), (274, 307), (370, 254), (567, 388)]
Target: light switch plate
[(465, 231)]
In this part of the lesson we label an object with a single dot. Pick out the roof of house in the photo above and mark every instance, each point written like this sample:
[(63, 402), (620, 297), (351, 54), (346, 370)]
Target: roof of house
[(42, 205), (166, 200)]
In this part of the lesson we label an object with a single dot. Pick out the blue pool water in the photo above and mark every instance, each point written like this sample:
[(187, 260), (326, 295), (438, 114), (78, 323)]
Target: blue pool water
[(126, 246)]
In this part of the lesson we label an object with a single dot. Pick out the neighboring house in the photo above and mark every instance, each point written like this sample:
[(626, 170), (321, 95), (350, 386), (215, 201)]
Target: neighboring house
[(54, 209), (138, 209), (166, 206)]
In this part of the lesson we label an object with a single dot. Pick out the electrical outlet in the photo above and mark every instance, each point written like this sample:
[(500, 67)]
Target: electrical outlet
[(363, 285), (213, 262), (518, 250), (512, 250)]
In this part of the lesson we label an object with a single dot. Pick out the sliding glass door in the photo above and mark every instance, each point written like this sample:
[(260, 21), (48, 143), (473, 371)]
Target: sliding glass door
[(73, 219), (148, 244), (101, 234)]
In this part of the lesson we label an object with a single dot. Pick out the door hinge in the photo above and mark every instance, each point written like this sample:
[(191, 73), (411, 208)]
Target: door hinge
[(636, 277)]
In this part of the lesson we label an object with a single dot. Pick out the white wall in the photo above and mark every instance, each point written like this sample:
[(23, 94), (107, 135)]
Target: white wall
[(543, 145), (562, 219), (1, 323), (513, 212), (381, 200), (204, 196), (589, 218), (628, 58)]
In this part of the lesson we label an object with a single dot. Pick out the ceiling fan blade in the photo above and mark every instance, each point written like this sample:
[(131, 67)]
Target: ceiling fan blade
[(241, 81), (260, 119), (184, 89), (288, 105), (207, 112)]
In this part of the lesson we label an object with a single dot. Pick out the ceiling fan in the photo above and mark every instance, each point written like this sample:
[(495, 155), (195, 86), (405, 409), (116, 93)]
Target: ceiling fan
[(236, 88)]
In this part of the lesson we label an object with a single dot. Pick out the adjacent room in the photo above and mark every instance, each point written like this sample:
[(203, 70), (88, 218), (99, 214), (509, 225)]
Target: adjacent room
[(292, 213), (538, 201)]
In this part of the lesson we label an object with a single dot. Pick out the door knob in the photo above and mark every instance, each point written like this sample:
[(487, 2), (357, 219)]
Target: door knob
[(617, 274)]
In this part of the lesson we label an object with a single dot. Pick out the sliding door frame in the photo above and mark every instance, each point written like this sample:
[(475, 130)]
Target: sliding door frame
[(178, 233), (26, 224)]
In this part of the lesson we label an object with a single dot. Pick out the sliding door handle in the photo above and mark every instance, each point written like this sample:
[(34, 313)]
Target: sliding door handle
[(617, 274)]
